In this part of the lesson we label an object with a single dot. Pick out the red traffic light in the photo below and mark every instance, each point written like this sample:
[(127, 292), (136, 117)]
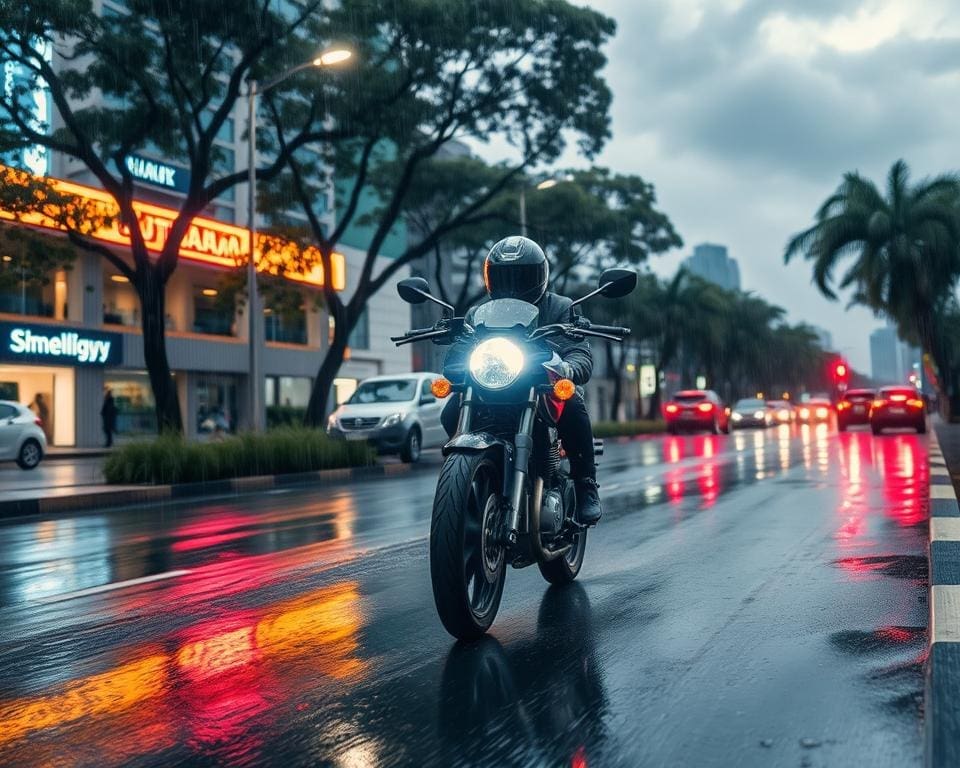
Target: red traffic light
[(841, 370)]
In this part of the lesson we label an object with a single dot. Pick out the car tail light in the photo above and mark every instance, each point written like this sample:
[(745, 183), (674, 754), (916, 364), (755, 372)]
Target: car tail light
[(705, 407), (843, 405), (898, 398), (915, 403), (878, 403), (671, 408)]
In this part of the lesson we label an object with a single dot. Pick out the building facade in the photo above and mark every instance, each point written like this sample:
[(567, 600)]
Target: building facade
[(893, 361), (713, 263), (64, 342)]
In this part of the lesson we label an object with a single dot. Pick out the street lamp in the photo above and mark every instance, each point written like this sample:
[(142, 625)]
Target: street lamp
[(545, 184), (327, 58)]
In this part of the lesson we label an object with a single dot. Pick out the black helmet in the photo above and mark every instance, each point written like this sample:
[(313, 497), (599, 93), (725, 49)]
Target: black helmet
[(516, 268)]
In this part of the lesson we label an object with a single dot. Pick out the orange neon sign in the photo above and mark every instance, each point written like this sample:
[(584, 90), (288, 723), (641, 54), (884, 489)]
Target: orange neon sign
[(206, 241)]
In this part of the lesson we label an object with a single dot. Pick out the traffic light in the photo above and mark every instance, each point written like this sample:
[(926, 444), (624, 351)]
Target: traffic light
[(840, 370)]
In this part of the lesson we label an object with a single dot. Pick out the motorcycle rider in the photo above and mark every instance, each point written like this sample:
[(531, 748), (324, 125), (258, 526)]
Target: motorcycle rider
[(517, 268)]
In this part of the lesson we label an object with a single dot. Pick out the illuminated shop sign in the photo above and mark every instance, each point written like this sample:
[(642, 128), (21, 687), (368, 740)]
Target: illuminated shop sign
[(206, 240), (158, 174), (64, 346)]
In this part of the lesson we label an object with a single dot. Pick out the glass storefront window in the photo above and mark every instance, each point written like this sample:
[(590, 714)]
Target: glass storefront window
[(216, 405), (211, 314), (134, 400), (29, 298), (288, 327), (50, 393), (120, 303)]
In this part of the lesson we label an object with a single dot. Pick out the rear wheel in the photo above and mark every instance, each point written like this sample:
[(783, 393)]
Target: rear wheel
[(715, 428), (467, 558), (410, 452), (841, 427), (922, 427), (875, 428), (672, 429), (564, 569), (30, 454)]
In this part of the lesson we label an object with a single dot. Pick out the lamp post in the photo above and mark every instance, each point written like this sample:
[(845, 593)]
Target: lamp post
[(545, 184), (328, 58)]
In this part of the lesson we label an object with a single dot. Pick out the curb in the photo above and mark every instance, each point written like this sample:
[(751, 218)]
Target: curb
[(942, 689), (152, 494)]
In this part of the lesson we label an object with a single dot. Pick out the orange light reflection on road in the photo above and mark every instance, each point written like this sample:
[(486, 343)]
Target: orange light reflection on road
[(218, 669)]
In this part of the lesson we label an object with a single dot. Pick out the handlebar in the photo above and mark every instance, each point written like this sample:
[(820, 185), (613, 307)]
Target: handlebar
[(613, 330)]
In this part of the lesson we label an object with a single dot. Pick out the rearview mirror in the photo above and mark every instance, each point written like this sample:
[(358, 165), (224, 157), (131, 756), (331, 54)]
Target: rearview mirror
[(414, 290), (615, 283)]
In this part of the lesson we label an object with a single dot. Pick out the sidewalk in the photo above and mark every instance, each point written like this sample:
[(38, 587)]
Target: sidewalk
[(942, 697)]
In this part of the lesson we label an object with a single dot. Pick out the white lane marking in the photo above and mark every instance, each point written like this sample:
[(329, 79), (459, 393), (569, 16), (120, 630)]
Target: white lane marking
[(945, 529), (942, 492), (938, 471), (114, 585), (945, 610)]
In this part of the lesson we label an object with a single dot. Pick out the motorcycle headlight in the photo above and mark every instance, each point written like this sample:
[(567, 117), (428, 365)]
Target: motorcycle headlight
[(496, 363)]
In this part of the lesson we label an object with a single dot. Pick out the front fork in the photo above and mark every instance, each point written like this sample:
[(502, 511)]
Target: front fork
[(524, 447)]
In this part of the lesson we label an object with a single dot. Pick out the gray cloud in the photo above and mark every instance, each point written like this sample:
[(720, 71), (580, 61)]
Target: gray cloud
[(743, 142)]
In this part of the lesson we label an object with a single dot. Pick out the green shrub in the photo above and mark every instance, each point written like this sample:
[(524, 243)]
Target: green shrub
[(627, 428), (285, 416), (171, 459)]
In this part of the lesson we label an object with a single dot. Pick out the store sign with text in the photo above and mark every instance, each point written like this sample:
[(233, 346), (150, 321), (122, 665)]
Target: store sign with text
[(206, 240), (158, 174), (52, 345)]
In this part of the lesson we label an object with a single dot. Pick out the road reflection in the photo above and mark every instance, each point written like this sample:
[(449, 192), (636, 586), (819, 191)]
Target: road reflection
[(540, 700), (206, 687)]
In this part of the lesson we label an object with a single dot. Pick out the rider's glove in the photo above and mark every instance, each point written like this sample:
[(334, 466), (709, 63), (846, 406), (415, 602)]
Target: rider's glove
[(565, 370)]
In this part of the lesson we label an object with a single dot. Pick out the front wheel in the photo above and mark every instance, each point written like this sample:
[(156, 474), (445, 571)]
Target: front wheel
[(410, 452), (30, 454), (467, 558)]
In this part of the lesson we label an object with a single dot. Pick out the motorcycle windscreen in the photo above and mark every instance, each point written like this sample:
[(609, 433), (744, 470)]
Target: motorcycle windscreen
[(505, 314)]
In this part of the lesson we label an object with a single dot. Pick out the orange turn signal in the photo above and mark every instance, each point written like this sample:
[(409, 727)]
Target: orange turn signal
[(441, 388), (564, 389)]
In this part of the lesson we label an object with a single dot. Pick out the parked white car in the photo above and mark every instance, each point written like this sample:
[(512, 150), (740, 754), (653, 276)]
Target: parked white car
[(21, 438), (395, 414)]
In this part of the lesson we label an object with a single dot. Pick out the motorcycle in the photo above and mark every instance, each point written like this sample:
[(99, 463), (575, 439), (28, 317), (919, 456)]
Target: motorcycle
[(504, 495)]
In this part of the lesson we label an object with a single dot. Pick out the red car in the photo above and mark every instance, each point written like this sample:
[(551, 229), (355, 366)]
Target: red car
[(854, 408), (898, 407), (696, 409)]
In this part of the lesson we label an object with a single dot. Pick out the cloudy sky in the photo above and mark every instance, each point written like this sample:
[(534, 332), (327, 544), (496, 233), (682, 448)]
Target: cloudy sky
[(745, 113)]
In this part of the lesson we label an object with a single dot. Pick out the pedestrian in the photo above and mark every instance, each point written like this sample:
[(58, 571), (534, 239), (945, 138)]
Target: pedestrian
[(40, 407), (108, 415)]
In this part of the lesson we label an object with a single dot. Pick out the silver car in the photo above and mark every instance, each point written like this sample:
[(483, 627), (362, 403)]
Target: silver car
[(21, 438), (396, 414)]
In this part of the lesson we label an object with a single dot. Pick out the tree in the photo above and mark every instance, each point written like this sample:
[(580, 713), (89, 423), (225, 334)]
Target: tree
[(524, 71), (596, 219), (170, 75), (903, 249)]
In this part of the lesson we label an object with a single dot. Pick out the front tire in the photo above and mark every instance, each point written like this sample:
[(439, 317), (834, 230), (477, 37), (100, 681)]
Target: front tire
[(410, 452), (30, 454), (467, 560)]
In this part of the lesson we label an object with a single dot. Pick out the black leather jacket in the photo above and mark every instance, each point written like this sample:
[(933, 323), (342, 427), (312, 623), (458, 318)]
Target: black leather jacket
[(553, 309)]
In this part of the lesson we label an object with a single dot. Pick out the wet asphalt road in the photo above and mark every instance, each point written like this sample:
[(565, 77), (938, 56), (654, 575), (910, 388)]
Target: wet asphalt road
[(757, 600)]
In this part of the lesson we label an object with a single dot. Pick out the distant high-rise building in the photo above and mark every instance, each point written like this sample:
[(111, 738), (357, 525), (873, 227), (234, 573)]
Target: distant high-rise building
[(824, 337), (892, 361), (711, 262)]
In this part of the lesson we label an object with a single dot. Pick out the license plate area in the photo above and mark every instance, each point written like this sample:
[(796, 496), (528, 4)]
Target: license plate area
[(898, 411)]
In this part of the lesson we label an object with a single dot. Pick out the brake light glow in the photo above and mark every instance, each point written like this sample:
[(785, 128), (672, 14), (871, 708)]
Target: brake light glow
[(671, 408), (898, 398), (843, 405), (915, 403), (705, 407), (878, 403)]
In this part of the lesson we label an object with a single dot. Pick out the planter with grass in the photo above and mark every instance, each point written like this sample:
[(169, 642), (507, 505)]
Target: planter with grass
[(171, 459), (604, 429)]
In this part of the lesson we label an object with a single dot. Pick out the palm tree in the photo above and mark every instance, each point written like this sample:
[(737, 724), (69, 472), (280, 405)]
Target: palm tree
[(903, 248)]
